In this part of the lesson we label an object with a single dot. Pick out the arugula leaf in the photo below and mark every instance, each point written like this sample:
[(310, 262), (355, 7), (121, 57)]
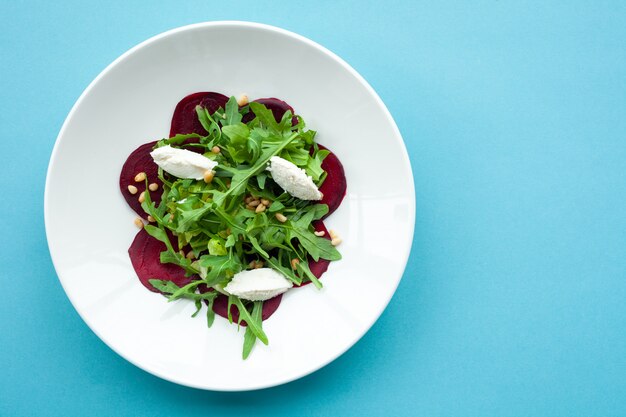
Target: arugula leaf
[(198, 307), (179, 139), (255, 326), (232, 113), (216, 247), (167, 287), (317, 247), (250, 338), (313, 166), (219, 268), (264, 116), (210, 314)]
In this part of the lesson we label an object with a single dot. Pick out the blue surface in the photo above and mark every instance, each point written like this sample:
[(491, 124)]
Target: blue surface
[(514, 299)]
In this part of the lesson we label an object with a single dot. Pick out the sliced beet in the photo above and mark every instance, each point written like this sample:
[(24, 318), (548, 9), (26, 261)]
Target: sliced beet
[(140, 161), (145, 253), (185, 119), (334, 186), (220, 306), (278, 108)]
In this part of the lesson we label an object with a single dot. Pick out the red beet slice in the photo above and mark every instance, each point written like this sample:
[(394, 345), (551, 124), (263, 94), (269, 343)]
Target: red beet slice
[(220, 306), (334, 186), (144, 254), (278, 108), (140, 161), (185, 119)]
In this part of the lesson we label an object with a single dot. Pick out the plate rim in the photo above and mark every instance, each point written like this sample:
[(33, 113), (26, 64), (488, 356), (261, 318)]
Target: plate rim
[(265, 27)]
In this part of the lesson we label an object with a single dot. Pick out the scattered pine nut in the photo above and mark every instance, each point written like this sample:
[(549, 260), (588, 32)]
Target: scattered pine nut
[(216, 149), (151, 219), (242, 100), (138, 222), (335, 239), (256, 264), (191, 255), (260, 208), (142, 197), (254, 203), (265, 202), (281, 217), (132, 189), (319, 233), (208, 176), (248, 199), (294, 263), (153, 187), (140, 177)]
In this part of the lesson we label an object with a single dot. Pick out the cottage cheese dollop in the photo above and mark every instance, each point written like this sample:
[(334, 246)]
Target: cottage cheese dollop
[(258, 284), (182, 163), (293, 179)]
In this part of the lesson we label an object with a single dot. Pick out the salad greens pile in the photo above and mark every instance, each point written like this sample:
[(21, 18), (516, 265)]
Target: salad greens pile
[(214, 222)]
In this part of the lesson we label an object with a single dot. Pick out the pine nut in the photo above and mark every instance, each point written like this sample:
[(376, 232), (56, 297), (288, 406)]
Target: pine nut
[(153, 187), (248, 199), (260, 208), (132, 189), (294, 263), (138, 222), (151, 219), (281, 217), (332, 234), (259, 265), (216, 149), (191, 255), (254, 203), (335, 241), (265, 202), (140, 177), (319, 233), (242, 100), (142, 197), (208, 176)]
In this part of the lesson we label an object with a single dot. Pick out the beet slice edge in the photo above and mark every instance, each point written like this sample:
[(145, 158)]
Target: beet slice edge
[(145, 254), (140, 161), (185, 119)]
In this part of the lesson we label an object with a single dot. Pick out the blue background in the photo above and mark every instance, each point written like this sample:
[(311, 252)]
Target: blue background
[(514, 299)]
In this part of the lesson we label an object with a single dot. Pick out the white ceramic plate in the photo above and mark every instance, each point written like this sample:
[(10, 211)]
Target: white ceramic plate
[(90, 227)]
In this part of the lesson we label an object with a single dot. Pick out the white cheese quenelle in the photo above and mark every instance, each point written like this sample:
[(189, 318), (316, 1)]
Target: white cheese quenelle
[(258, 284), (293, 179), (182, 163)]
